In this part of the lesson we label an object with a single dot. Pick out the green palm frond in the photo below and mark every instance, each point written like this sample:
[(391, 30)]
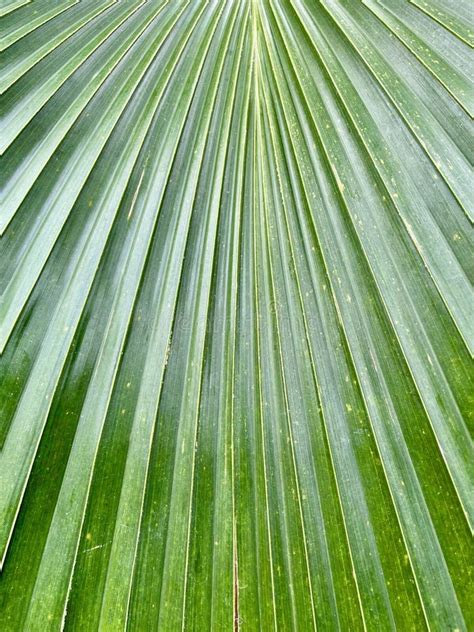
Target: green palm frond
[(236, 315)]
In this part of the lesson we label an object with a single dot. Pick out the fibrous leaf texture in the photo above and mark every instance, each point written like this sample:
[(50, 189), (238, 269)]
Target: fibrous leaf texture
[(236, 315)]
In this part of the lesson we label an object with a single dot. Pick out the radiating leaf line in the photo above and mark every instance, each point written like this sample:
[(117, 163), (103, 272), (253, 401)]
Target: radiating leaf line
[(59, 199), (33, 406), (454, 16), (23, 22), (421, 222), (454, 442), (345, 319), (444, 56), (150, 384), (403, 89), (27, 163), (108, 357), (256, 206), (42, 41), (12, 5)]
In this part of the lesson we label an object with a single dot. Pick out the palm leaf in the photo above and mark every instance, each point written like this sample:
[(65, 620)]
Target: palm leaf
[(236, 315)]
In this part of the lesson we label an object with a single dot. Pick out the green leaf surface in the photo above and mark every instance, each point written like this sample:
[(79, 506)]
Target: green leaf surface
[(236, 315)]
